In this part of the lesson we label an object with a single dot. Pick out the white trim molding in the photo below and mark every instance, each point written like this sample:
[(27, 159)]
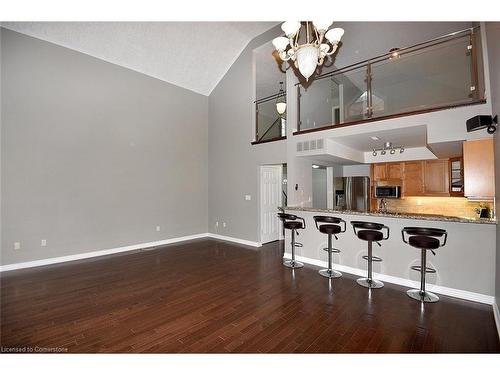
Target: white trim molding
[(458, 293), (92, 254), (234, 239), (496, 314)]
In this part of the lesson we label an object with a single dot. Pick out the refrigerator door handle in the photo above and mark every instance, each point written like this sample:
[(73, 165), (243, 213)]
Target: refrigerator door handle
[(348, 193)]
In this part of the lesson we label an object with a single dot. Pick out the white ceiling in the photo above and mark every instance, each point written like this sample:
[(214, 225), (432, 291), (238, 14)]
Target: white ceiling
[(193, 55)]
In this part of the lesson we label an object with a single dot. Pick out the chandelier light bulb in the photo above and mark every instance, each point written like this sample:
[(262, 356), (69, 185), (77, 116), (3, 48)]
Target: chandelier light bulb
[(322, 25), (290, 28), (334, 35), (280, 43)]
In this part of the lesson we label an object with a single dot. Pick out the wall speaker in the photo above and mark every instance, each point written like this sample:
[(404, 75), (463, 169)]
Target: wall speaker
[(480, 122)]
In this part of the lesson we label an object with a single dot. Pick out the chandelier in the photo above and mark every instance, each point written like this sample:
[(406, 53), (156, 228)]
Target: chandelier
[(312, 53)]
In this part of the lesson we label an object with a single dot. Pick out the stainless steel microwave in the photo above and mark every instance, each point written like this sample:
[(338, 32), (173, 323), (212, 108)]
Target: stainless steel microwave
[(387, 191)]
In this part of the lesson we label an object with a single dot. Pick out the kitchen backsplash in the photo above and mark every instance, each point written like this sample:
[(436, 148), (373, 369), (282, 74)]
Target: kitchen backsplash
[(447, 206)]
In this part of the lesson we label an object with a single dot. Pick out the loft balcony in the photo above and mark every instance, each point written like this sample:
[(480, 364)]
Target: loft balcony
[(441, 73)]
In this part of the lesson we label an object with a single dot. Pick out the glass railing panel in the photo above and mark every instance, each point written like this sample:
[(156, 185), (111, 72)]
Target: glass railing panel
[(443, 72), (436, 76), (333, 100), (270, 124)]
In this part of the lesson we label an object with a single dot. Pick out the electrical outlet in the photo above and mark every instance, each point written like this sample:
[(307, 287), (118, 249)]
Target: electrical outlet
[(223, 224), (217, 224), (17, 245), (43, 243), (248, 197), (158, 228)]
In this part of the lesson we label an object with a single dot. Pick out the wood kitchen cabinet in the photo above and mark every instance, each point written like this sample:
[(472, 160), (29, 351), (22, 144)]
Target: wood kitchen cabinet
[(379, 171), (436, 177), (479, 168), (413, 179), (394, 171), (387, 171), (418, 177)]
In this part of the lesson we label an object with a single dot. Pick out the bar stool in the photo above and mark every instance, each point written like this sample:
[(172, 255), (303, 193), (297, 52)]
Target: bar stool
[(370, 232), (292, 223), (331, 229), (424, 239)]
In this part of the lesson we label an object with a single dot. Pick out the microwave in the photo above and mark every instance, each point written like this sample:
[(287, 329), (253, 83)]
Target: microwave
[(387, 191)]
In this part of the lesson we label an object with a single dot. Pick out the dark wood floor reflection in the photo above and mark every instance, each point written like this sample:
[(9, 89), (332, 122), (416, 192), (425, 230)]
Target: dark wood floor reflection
[(212, 296)]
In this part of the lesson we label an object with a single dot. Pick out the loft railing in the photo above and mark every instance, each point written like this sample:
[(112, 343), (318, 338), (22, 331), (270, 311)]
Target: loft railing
[(269, 124), (440, 73)]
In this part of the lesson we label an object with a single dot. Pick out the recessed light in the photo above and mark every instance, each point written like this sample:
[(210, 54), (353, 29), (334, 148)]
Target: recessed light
[(375, 138), (315, 166)]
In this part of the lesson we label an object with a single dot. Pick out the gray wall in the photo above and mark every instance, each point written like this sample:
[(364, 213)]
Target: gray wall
[(234, 162), (493, 40), (95, 156)]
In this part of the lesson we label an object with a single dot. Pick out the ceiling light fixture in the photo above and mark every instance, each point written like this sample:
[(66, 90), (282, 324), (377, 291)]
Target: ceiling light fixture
[(375, 138), (281, 101), (315, 166), (312, 53), (388, 147)]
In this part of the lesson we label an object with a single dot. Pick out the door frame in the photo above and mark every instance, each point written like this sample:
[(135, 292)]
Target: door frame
[(280, 168)]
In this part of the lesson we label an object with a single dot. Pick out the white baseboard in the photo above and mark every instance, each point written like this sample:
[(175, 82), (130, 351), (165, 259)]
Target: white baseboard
[(458, 293), (496, 314), (92, 254), (233, 239)]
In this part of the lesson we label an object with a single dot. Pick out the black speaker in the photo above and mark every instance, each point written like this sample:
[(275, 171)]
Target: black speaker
[(481, 122)]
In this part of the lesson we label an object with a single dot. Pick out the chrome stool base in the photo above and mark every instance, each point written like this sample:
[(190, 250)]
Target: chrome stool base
[(370, 283), (331, 274), (422, 296), (293, 264)]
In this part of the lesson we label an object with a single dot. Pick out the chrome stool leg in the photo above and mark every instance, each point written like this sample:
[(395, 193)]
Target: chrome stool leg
[(421, 294), (330, 272), (293, 263), (369, 282)]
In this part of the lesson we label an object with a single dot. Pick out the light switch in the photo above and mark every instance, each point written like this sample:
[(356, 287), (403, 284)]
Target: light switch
[(248, 197), (17, 245)]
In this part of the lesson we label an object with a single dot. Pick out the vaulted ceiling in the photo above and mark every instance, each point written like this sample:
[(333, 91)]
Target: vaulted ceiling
[(193, 55)]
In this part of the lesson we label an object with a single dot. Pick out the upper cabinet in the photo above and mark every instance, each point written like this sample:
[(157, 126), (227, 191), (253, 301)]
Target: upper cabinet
[(436, 177), (418, 177), (413, 179), (387, 171), (479, 168)]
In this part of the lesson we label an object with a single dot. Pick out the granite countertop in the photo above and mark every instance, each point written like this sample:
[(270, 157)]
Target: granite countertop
[(398, 215)]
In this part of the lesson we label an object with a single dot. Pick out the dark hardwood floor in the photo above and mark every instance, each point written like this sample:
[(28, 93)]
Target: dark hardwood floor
[(212, 296)]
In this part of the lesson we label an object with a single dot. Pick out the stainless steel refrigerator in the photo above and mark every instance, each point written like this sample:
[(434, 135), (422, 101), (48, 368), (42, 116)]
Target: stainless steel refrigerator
[(352, 193)]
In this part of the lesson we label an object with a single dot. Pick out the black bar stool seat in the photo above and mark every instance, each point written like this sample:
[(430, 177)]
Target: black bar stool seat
[(424, 242), (370, 235), (330, 229), (370, 232), (293, 223), (424, 239), (330, 226)]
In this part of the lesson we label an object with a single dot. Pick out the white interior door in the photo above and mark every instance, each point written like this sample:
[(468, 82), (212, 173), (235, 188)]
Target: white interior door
[(270, 200)]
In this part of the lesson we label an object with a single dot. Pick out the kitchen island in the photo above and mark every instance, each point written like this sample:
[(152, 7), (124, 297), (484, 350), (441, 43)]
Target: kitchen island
[(465, 266)]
